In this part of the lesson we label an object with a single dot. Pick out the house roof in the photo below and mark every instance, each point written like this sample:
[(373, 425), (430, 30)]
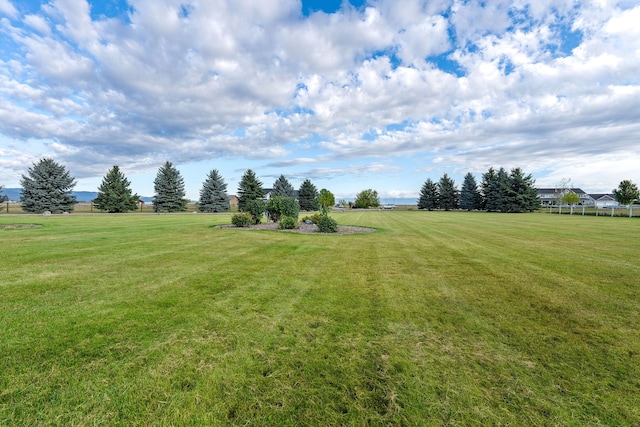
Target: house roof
[(603, 196), (578, 191)]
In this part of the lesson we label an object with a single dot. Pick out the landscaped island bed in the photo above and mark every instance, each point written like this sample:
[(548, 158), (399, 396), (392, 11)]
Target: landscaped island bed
[(436, 318)]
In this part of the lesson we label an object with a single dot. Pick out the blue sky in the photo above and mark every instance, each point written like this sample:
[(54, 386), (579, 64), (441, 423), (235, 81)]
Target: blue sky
[(356, 94)]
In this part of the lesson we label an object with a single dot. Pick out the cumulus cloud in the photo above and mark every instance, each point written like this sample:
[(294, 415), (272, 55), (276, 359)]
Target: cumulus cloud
[(471, 84)]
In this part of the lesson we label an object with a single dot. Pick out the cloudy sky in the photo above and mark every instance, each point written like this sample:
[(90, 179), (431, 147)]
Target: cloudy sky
[(378, 94)]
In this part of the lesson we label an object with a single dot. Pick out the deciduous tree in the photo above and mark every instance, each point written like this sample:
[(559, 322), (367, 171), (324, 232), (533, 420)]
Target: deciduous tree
[(326, 198), (169, 190), (47, 187), (114, 194), (367, 199), (213, 195), (626, 192)]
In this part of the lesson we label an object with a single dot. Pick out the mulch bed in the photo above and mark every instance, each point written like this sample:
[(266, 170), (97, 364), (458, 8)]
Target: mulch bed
[(15, 226), (303, 228)]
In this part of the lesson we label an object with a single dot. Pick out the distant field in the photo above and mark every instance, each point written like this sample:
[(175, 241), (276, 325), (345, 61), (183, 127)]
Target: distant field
[(435, 319)]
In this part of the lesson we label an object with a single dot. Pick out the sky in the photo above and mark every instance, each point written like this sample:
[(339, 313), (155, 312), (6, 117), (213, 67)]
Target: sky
[(353, 95)]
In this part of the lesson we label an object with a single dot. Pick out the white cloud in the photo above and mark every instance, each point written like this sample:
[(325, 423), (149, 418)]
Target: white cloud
[(257, 81)]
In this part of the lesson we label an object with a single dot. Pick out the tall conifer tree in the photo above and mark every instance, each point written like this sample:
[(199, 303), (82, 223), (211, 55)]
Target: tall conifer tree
[(114, 194), (447, 192), (308, 196), (48, 187), (213, 195), (249, 190), (469, 195), (428, 195), (169, 189), (283, 188)]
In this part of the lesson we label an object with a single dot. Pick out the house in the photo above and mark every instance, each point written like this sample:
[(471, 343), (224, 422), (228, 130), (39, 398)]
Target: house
[(233, 201), (604, 200), (553, 196)]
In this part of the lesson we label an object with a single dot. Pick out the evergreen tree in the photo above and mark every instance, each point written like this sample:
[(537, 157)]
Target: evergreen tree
[(114, 194), (249, 189), (494, 185), (447, 191), (428, 195), (169, 189), (213, 195), (308, 196), (519, 193), (283, 188), (47, 187), (469, 195)]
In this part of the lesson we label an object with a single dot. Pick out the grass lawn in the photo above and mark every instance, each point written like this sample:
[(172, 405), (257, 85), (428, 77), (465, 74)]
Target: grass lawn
[(435, 319)]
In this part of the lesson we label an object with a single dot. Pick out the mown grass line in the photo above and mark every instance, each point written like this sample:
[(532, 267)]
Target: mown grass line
[(437, 318)]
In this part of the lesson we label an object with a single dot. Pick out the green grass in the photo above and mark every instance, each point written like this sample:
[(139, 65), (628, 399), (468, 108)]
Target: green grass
[(435, 319)]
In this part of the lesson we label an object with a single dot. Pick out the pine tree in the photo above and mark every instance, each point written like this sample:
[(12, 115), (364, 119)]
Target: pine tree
[(448, 197), (169, 190), (308, 196), (469, 195), (626, 192), (520, 193), (494, 185), (47, 187), (283, 188), (213, 195), (114, 194), (249, 189), (428, 195)]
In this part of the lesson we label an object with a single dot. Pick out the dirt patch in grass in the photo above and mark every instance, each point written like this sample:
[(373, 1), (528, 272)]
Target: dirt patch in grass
[(303, 228), (18, 226)]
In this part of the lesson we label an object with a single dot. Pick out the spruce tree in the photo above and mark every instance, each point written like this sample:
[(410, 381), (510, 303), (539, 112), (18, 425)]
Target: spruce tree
[(213, 195), (447, 191), (249, 190), (283, 188), (428, 195), (169, 190), (469, 194), (47, 187), (114, 194), (519, 193), (494, 185), (308, 196)]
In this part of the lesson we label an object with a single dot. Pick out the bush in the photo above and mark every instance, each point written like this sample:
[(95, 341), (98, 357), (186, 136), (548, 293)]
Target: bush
[(315, 218), (256, 209), (326, 224), (279, 206), (243, 219), (287, 223)]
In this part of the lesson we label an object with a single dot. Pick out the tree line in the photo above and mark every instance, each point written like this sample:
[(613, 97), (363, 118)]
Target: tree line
[(48, 186), (499, 191)]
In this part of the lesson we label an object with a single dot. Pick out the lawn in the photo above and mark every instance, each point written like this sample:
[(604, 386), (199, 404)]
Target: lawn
[(437, 318)]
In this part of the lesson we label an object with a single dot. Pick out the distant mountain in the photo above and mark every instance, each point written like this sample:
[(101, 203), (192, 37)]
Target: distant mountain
[(81, 196)]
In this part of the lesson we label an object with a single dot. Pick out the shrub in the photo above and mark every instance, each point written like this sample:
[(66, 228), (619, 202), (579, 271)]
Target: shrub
[(315, 218), (287, 223), (256, 209), (243, 219), (326, 224), (279, 206)]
